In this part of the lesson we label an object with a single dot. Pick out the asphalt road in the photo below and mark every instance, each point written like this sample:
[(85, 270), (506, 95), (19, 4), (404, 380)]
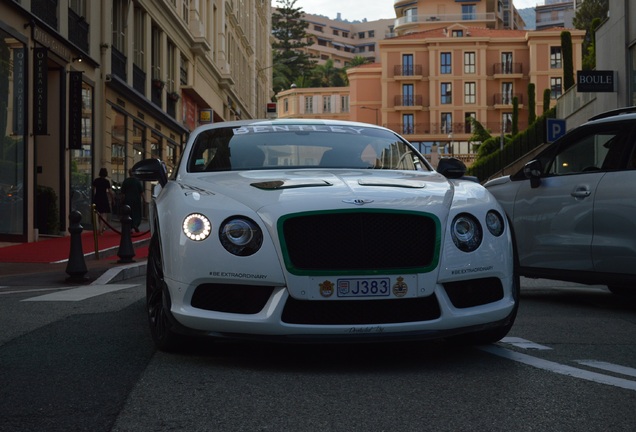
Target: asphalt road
[(80, 360)]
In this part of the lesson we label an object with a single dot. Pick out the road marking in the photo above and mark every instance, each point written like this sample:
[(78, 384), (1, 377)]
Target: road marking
[(558, 368), (26, 290), (623, 370), (523, 343), (81, 293)]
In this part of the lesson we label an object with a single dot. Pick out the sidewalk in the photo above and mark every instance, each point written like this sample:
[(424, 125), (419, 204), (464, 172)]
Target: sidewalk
[(44, 263)]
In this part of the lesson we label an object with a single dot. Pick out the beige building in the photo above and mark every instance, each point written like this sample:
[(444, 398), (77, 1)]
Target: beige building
[(92, 84), (341, 40), (431, 79)]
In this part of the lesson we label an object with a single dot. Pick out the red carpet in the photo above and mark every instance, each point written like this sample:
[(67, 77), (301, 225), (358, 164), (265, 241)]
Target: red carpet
[(50, 250)]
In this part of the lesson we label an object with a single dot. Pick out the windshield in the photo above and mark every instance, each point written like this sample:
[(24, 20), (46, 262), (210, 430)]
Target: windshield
[(301, 146)]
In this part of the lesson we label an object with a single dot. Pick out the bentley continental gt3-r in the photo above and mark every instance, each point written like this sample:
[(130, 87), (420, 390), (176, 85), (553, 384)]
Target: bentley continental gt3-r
[(330, 231)]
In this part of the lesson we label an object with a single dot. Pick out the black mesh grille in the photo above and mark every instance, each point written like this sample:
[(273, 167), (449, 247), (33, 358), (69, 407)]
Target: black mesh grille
[(241, 299), (474, 292), (359, 312), (360, 240)]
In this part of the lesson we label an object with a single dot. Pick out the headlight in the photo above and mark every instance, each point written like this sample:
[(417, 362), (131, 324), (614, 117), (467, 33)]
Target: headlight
[(240, 236), (466, 232), (495, 223), (196, 227)]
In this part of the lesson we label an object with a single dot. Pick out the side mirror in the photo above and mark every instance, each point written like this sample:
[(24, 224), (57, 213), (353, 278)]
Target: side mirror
[(532, 170), (151, 170), (451, 168)]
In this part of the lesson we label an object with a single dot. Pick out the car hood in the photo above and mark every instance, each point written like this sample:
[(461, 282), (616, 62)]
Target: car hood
[(306, 190)]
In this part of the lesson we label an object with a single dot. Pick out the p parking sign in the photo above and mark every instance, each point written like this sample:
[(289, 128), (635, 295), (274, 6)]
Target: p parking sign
[(556, 129)]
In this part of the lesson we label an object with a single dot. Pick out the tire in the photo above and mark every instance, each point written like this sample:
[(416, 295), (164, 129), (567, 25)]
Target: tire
[(158, 301)]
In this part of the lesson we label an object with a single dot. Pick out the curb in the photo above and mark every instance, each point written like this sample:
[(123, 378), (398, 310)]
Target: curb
[(121, 273)]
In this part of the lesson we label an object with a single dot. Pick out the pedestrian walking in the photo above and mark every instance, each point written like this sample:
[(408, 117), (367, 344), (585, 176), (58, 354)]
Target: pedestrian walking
[(102, 197), (133, 192)]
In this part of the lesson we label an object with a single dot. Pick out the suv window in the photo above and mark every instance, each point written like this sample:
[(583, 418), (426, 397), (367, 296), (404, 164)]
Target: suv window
[(585, 154)]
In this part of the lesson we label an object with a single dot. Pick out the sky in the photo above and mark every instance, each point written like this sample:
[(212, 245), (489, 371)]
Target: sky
[(372, 10)]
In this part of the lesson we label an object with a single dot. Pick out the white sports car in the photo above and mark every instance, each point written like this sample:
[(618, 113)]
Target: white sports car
[(305, 230)]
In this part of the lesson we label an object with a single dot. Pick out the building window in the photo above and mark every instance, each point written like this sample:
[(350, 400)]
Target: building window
[(336, 33), (470, 96), (555, 87), (318, 28), (555, 58), (118, 148), (408, 127), (326, 104), (185, 11), (371, 33), (506, 93), (309, 105), (407, 94), (119, 25), (156, 53), (410, 15), (360, 35), (446, 93), (407, 64), (506, 62), (468, 122), (447, 122), (457, 33), (507, 122), (171, 52), (155, 146), (140, 38), (183, 71), (286, 105), (445, 63), (344, 104), (468, 12), (469, 63)]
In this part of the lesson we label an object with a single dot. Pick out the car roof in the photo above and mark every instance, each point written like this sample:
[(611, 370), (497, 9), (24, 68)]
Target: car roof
[(290, 121), (625, 113)]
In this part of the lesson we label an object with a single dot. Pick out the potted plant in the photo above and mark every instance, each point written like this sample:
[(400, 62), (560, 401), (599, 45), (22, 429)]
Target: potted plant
[(158, 84), (174, 96)]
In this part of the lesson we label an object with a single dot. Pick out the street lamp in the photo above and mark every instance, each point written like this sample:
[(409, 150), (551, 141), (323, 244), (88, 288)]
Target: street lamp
[(377, 122)]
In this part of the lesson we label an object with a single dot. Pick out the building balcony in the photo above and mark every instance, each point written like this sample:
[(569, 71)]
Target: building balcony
[(408, 102), (504, 100), (507, 70), (414, 20), (407, 71)]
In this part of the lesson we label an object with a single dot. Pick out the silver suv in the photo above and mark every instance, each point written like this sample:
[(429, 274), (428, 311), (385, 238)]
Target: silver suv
[(573, 208)]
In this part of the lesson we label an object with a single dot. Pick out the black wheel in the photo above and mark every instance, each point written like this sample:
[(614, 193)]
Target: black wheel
[(158, 300)]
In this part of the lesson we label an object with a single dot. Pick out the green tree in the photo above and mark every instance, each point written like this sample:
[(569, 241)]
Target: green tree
[(532, 104), (589, 46), (326, 75), (588, 16), (515, 115), (568, 62), (290, 33), (546, 100)]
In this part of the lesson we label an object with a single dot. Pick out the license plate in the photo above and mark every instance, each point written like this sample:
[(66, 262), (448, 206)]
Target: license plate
[(363, 287)]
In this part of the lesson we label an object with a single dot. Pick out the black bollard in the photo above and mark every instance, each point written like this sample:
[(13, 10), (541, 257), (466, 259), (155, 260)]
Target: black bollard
[(76, 266), (126, 251)]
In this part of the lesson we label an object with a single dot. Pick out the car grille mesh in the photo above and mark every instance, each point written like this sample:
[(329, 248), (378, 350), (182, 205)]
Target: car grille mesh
[(359, 240), (474, 292), (359, 312), (240, 299)]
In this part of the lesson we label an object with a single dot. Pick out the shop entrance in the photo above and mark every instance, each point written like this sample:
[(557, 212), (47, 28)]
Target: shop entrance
[(49, 148)]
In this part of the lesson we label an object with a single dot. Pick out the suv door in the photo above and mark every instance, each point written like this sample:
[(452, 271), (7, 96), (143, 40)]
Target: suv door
[(554, 217), (614, 242)]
